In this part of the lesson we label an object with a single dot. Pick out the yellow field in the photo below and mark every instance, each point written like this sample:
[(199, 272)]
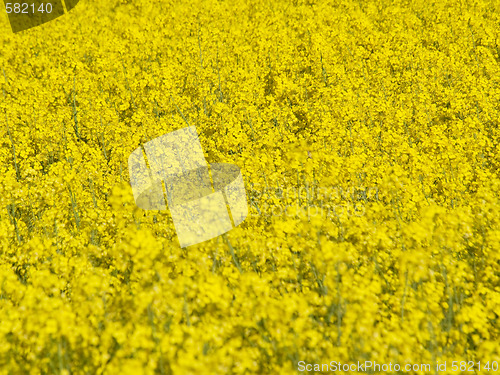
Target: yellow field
[(367, 134)]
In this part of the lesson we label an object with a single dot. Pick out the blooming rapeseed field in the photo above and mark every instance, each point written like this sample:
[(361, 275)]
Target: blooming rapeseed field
[(367, 134)]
